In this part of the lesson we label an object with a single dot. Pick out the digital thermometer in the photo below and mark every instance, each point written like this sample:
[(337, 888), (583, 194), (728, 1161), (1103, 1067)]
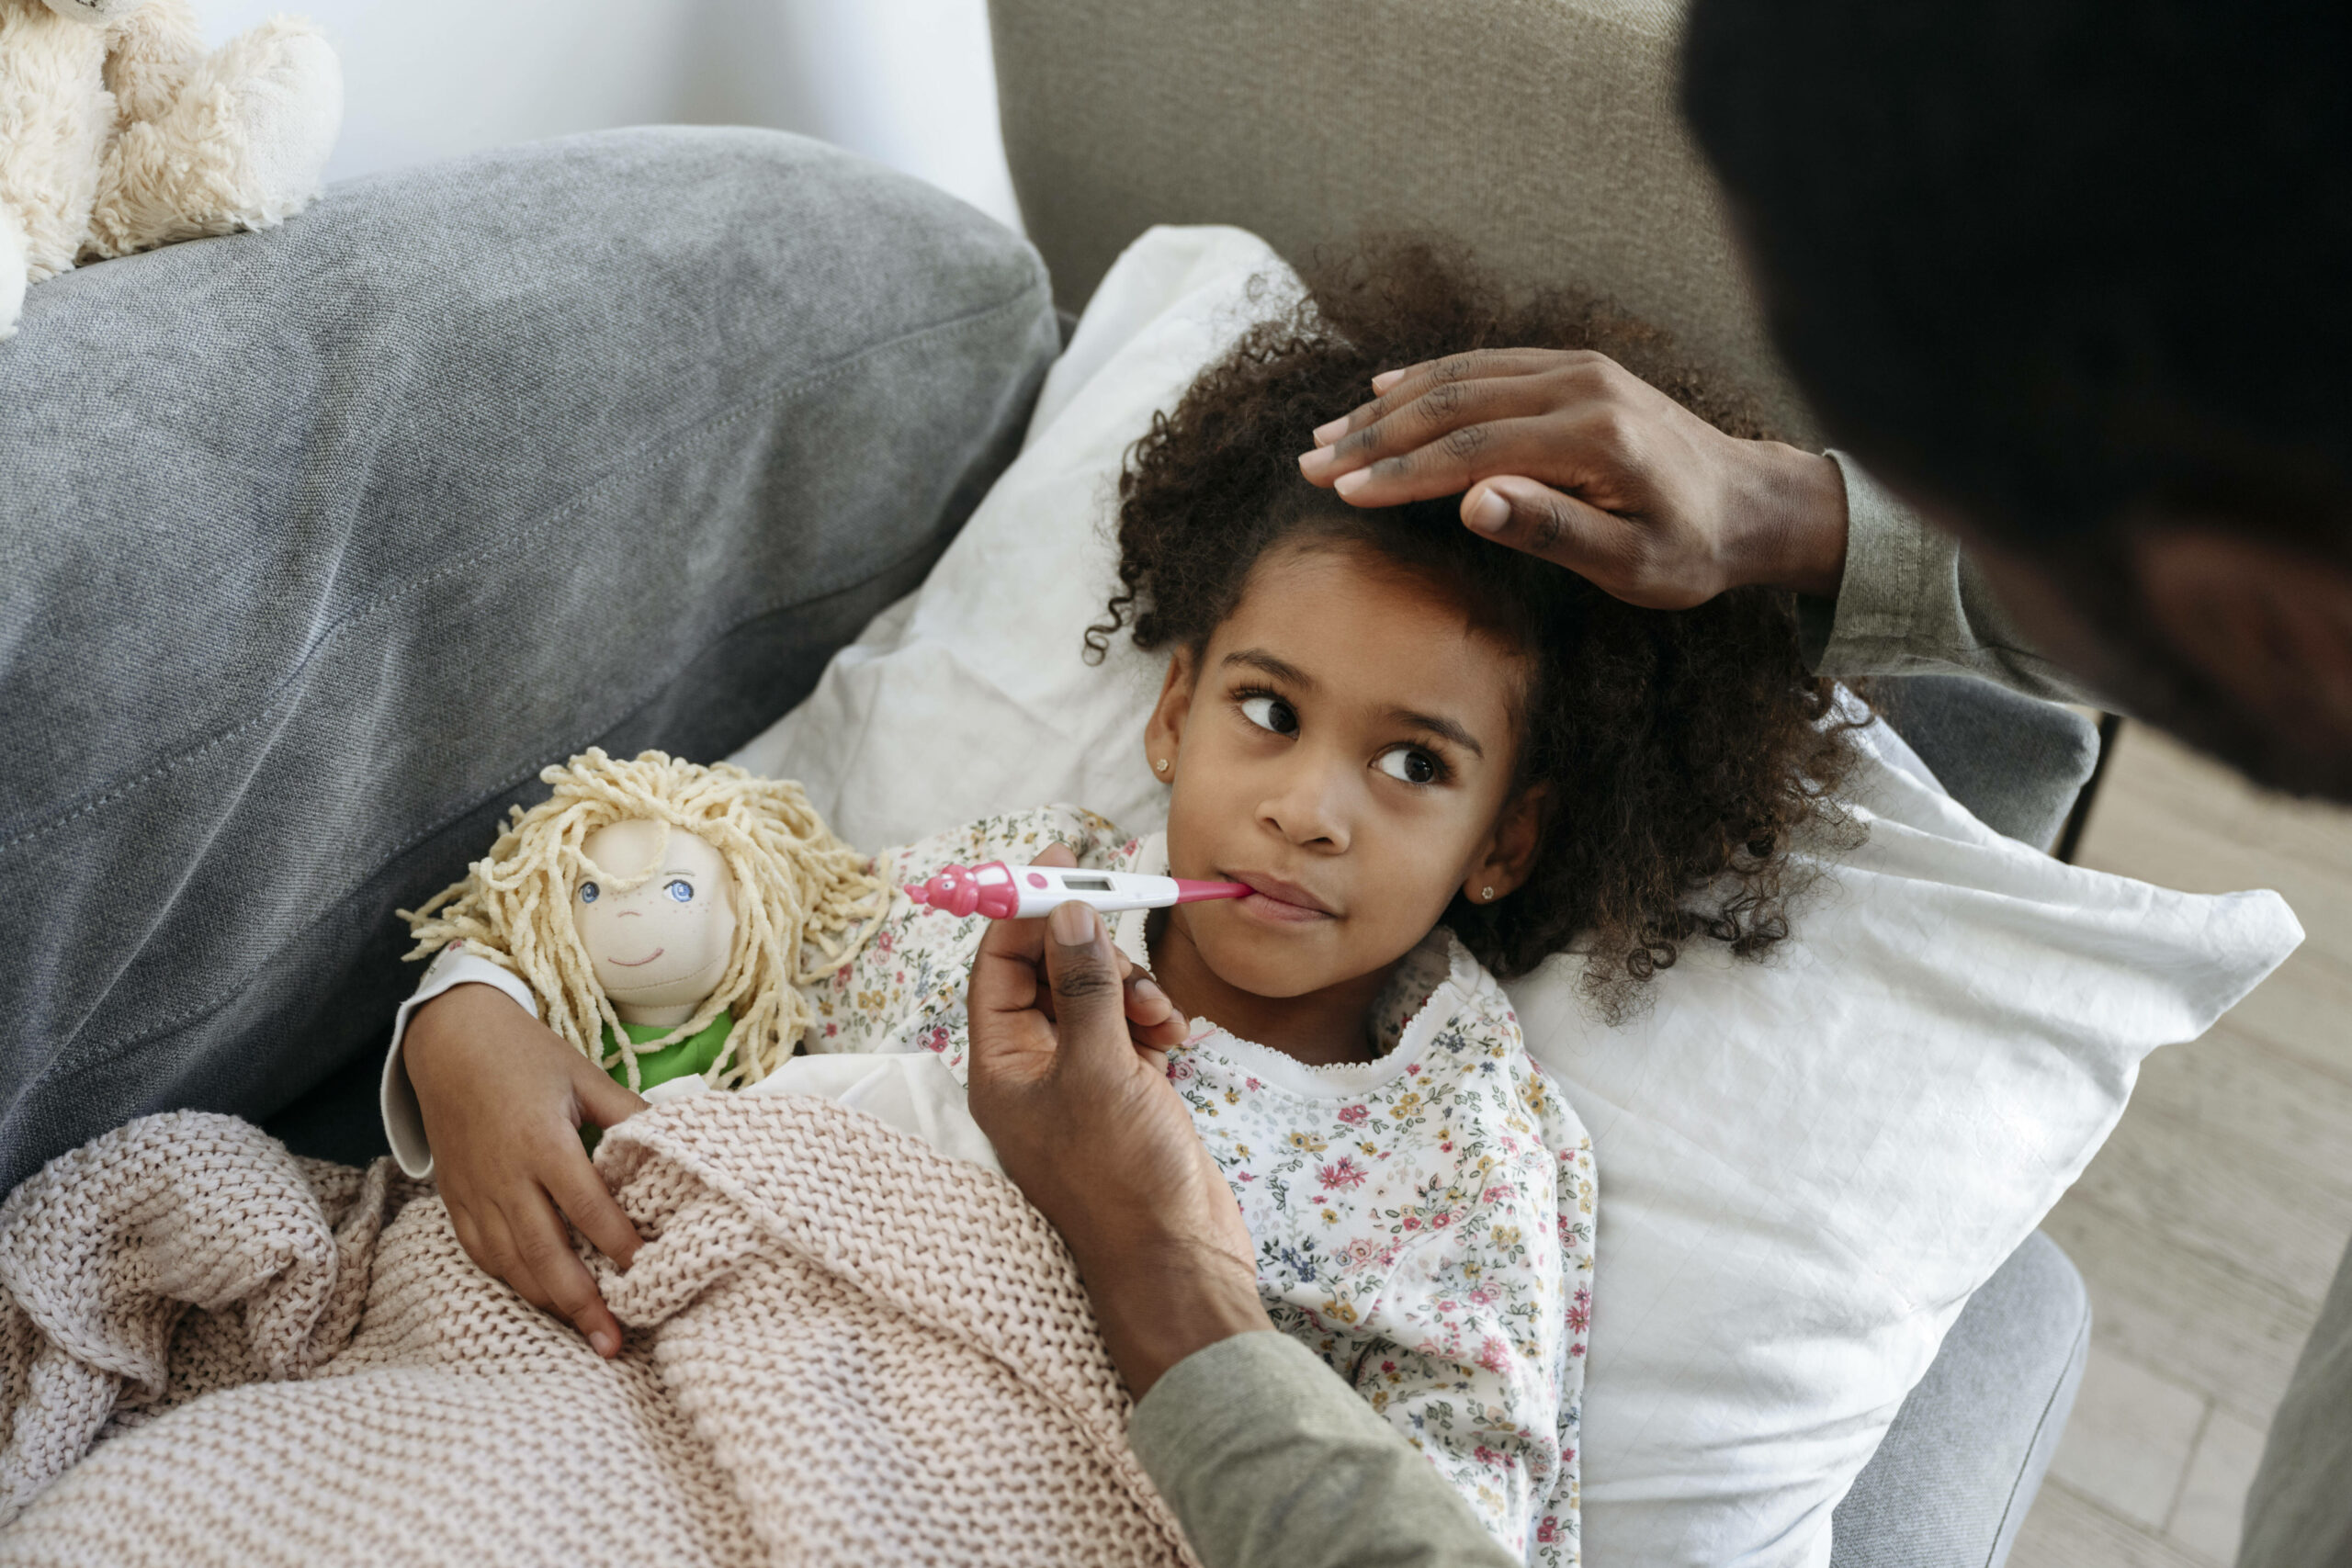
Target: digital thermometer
[(1003, 893)]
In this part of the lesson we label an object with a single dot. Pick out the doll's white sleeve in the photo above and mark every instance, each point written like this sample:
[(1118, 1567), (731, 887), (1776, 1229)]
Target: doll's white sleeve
[(403, 1121)]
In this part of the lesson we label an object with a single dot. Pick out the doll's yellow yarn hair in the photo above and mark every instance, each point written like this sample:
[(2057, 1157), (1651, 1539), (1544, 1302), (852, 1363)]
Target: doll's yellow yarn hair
[(805, 903)]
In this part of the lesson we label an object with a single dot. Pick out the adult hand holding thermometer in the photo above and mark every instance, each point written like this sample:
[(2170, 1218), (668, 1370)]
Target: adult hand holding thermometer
[(1005, 893)]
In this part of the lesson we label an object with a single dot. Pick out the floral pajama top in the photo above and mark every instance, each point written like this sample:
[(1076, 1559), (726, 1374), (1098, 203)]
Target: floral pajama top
[(1424, 1222)]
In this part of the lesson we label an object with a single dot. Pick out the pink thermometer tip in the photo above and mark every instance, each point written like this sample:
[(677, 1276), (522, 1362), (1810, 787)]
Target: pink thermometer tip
[(1191, 891)]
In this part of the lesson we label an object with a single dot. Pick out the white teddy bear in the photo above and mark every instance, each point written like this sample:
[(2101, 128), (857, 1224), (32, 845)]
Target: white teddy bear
[(119, 131)]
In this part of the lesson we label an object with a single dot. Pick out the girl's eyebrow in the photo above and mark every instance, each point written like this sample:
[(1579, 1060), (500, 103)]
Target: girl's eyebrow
[(1281, 670), (1443, 728)]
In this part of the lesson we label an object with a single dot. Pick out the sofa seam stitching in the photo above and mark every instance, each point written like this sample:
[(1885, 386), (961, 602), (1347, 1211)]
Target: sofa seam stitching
[(2082, 1334)]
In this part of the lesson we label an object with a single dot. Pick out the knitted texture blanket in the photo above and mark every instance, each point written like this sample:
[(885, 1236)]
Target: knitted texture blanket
[(841, 1347)]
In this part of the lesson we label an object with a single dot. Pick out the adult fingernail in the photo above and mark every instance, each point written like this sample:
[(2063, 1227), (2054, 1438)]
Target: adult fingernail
[(1072, 924), (1488, 513), (1386, 379), (1316, 462), (1347, 484), (607, 1344), (1326, 434)]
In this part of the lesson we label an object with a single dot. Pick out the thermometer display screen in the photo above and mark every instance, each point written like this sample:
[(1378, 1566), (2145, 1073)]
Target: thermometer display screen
[(1087, 884)]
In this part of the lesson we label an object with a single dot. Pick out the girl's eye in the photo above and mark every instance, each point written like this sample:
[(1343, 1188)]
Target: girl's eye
[(1409, 764), (1270, 713), (681, 890), (589, 892)]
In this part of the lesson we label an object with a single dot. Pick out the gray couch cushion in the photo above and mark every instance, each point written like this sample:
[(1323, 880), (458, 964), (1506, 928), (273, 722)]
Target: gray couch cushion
[(1544, 132)]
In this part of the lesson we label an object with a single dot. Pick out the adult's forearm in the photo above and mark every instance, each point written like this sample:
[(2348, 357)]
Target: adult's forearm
[(1158, 1306), (1267, 1458), (1791, 510), (1909, 602)]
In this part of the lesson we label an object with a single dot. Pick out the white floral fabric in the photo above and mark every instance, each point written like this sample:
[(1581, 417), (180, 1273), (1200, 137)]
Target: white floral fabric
[(1424, 1220)]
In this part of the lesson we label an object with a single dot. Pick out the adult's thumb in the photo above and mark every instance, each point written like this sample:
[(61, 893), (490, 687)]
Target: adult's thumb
[(1090, 1010), (1536, 518)]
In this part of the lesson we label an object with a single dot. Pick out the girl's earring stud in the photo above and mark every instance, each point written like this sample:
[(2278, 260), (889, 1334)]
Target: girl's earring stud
[(1486, 895), (1161, 764)]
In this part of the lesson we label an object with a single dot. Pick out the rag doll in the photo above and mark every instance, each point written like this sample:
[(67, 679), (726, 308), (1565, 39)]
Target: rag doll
[(120, 131), (665, 913)]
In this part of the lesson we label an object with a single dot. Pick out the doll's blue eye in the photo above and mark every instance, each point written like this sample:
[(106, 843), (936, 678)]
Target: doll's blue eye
[(683, 891), (588, 892)]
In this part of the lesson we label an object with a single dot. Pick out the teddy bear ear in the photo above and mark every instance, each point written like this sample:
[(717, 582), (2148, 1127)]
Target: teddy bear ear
[(97, 12)]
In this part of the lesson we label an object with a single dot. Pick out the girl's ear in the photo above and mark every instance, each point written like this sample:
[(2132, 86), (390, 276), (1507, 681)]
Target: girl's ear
[(1163, 735), (1502, 868)]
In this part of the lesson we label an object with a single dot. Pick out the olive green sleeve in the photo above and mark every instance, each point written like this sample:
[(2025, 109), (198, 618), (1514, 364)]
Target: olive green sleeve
[(1271, 1461), (1912, 603)]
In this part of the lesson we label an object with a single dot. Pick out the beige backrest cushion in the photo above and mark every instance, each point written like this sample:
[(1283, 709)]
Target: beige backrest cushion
[(1542, 132)]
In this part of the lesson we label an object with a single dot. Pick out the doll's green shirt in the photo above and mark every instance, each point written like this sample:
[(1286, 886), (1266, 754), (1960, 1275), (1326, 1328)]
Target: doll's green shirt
[(692, 1055)]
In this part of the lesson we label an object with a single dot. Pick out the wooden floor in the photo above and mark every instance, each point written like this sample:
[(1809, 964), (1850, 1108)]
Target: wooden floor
[(2210, 1225)]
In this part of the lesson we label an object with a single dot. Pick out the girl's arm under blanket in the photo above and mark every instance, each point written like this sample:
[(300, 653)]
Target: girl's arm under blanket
[(1493, 1392), (1475, 1351), (1500, 1314), (1495, 1438)]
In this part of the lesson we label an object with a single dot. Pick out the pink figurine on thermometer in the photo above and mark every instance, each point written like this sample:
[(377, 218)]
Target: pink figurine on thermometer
[(1002, 893)]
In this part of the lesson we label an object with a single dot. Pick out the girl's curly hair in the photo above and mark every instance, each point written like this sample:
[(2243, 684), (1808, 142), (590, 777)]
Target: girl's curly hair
[(1683, 749)]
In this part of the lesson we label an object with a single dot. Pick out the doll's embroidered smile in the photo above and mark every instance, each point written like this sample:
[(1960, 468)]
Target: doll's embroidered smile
[(625, 963)]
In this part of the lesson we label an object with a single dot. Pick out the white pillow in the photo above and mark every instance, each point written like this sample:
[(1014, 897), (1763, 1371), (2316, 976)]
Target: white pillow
[(1807, 1166), (971, 693)]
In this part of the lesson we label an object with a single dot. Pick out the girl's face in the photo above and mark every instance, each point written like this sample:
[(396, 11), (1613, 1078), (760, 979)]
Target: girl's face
[(1344, 744)]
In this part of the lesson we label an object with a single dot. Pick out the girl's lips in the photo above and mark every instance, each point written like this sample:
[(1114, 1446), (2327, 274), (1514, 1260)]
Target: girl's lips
[(1276, 899), (1268, 908)]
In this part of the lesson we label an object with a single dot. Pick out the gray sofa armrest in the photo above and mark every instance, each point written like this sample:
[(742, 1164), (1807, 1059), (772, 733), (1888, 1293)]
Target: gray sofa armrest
[(2016, 761), (1960, 1467), (322, 542)]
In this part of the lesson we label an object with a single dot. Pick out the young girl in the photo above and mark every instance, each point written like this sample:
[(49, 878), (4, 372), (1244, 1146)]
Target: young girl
[(1434, 761)]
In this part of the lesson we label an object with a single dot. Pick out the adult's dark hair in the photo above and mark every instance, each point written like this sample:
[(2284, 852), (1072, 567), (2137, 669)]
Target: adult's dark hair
[(1682, 750), (2063, 265)]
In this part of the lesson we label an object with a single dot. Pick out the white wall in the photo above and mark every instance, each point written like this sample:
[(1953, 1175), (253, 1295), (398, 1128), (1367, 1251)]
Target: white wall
[(906, 82)]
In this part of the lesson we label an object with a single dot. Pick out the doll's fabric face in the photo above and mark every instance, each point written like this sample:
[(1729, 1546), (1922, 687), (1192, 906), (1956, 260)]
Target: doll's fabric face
[(660, 948)]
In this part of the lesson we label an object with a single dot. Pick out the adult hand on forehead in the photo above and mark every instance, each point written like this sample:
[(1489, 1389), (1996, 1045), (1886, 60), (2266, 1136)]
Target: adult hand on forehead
[(1570, 457), (1070, 1081)]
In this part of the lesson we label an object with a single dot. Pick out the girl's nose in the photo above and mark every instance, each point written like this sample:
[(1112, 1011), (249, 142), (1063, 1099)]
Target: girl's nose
[(1308, 807)]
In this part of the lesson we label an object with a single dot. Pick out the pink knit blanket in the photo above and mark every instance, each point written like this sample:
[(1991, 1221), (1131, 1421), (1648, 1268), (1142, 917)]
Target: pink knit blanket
[(842, 1347)]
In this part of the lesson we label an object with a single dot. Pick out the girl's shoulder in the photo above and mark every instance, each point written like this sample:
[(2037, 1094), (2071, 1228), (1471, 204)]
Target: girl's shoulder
[(1442, 993), (1482, 1037), (1016, 838)]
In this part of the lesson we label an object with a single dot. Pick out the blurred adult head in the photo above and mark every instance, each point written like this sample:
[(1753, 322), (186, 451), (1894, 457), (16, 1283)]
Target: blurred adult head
[(2077, 276)]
